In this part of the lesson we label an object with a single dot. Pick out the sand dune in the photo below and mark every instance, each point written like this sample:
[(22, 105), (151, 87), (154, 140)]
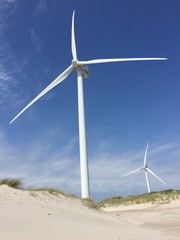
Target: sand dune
[(26, 215)]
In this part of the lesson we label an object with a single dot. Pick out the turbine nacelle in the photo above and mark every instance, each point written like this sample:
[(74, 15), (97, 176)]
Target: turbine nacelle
[(84, 71), (80, 67)]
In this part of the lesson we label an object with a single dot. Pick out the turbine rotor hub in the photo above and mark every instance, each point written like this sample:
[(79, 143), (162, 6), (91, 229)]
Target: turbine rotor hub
[(74, 63)]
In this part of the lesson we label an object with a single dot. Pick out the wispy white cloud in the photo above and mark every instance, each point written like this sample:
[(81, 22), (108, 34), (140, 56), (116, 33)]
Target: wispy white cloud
[(38, 163), (36, 41), (41, 7), (9, 5), (7, 9), (10, 68)]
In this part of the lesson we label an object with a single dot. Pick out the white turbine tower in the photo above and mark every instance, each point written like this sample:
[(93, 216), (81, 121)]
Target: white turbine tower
[(82, 72), (146, 170)]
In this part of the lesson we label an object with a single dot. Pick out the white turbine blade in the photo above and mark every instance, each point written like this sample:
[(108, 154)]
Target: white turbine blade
[(137, 170), (59, 79), (73, 41), (155, 175), (147, 181), (95, 61), (145, 155)]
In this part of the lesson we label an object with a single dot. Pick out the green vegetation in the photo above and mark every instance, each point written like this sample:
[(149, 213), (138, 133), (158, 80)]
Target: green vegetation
[(14, 183), (53, 191), (161, 197), (153, 197), (89, 202)]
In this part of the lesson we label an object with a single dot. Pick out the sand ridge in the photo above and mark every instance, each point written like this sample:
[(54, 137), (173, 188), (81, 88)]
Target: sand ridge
[(26, 215)]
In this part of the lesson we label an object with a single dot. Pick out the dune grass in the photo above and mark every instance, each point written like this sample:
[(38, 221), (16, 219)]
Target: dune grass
[(17, 184), (90, 203), (11, 182), (161, 197), (153, 197), (53, 191)]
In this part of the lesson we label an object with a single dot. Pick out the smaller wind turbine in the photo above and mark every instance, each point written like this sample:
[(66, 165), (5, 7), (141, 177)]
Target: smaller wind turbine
[(146, 170)]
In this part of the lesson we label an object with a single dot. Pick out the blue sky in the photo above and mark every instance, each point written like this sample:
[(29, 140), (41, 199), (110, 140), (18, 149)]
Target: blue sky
[(127, 104)]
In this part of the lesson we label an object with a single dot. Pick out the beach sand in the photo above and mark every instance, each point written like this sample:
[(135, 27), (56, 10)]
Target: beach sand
[(26, 215)]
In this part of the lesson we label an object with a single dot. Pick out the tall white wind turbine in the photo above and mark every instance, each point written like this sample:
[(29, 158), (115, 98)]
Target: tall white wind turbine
[(82, 72), (146, 170)]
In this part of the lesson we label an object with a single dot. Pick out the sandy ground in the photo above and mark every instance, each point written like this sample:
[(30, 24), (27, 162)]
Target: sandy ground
[(28, 215)]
